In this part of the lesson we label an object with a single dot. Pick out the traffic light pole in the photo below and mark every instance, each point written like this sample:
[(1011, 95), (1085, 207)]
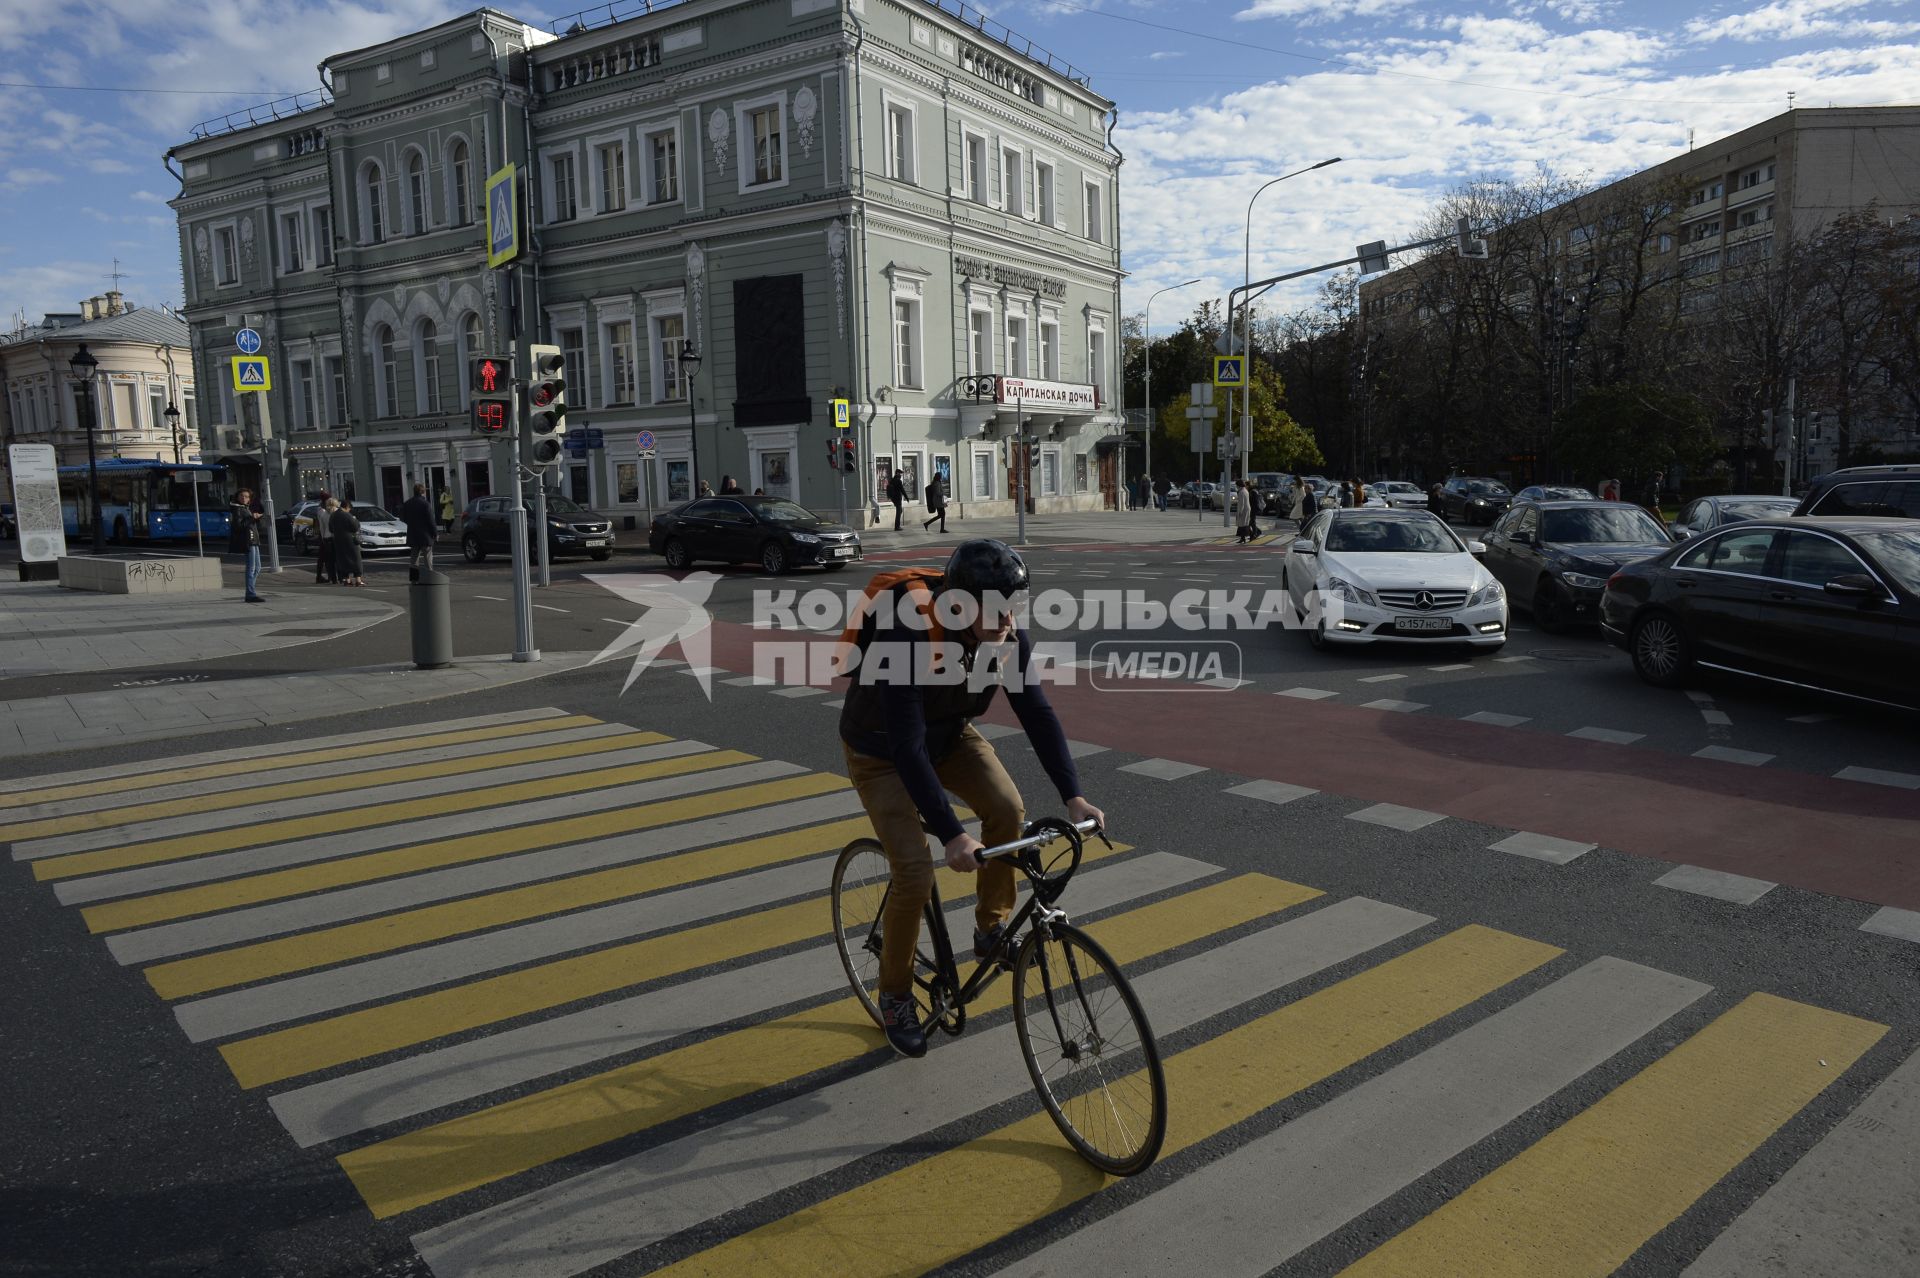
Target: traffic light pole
[(266, 480), (523, 649), (540, 523)]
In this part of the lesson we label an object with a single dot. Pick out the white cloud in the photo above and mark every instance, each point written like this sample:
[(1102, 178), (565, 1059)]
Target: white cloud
[(107, 164), (1313, 11), (148, 197), (1162, 55), (21, 177), (1798, 20)]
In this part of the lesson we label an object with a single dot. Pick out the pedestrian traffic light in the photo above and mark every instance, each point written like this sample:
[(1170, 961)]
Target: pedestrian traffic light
[(490, 392), (546, 406)]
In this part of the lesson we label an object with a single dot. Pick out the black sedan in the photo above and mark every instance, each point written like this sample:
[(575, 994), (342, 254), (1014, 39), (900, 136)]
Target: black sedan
[(1473, 500), (1554, 557), (1551, 492), (1707, 513), (1829, 604), (773, 532), (572, 529)]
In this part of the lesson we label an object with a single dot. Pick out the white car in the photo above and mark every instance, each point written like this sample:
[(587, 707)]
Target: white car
[(1400, 494), (1369, 575), (380, 531)]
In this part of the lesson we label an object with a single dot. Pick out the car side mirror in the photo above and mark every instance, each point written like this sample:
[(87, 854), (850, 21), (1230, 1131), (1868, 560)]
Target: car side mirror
[(1522, 537), (1476, 548), (1853, 585), (1681, 532), (1303, 546)]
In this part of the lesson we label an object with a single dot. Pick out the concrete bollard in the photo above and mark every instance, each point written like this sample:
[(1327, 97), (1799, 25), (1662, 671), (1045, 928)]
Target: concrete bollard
[(430, 605)]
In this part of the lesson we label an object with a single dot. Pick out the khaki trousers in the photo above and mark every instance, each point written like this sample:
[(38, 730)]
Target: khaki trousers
[(973, 772)]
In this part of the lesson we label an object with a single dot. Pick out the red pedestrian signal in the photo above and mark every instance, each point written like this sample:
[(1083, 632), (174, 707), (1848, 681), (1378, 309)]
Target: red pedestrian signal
[(490, 375)]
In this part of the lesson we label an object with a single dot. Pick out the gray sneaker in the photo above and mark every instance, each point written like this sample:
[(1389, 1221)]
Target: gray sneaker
[(901, 1019), (984, 942)]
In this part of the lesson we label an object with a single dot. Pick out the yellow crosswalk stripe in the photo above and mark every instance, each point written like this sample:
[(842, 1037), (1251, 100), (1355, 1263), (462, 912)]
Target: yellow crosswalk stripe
[(298, 759), (1586, 1196), (302, 879), (199, 844), (448, 1158), (1032, 1172), (285, 955), (301, 1049), (159, 809)]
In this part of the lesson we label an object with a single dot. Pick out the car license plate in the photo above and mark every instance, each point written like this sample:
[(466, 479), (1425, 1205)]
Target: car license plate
[(841, 552), (596, 541), (1423, 623)]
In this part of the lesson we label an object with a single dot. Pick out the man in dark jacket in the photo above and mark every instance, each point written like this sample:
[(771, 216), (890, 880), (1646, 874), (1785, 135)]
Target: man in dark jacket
[(937, 503), (897, 494), (243, 538), (417, 514)]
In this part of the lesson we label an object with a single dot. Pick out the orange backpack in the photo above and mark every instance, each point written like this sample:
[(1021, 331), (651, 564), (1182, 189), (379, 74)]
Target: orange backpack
[(919, 583)]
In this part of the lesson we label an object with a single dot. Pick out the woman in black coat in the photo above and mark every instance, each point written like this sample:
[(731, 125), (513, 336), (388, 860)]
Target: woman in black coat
[(346, 545)]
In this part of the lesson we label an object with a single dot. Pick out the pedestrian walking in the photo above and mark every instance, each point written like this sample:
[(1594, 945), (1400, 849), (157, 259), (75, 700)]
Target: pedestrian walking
[(1309, 503), (729, 486), (446, 510), (1654, 487), (897, 494), (937, 503), (1245, 502), (1160, 490), (324, 568), (243, 538), (346, 545), (417, 515)]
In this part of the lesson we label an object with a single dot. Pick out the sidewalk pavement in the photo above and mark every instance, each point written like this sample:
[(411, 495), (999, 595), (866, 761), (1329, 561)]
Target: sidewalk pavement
[(1124, 526)]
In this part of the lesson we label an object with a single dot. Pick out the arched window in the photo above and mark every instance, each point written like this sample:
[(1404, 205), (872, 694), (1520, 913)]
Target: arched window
[(385, 372), (426, 368), (462, 184), (373, 204), (470, 342), (417, 193)]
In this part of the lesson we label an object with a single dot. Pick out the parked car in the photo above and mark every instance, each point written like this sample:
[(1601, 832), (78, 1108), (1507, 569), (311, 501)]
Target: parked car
[(1554, 557), (572, 529), (381, 532), (1399, 494), (1198, 494), (1891, 491), (1707, 513), (1827, 603), (1473, 499), (1394, 576), (775, 533), (296, 525), (1276, 491), (1551, 492)]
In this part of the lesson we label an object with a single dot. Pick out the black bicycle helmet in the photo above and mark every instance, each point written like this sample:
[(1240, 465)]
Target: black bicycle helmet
[(983, 565)]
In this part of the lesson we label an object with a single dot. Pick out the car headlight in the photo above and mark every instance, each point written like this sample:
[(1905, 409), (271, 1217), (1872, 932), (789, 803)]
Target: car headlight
[(1346, 590), (1582, 581), (1487, 594), (806, 539)]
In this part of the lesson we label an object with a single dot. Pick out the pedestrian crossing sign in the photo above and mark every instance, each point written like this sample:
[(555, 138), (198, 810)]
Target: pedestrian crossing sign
[(250, 373), (841, 416), (1230, 370)]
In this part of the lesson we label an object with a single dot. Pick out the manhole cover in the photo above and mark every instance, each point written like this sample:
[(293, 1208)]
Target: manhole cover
[(303, 634), (1571, 654)]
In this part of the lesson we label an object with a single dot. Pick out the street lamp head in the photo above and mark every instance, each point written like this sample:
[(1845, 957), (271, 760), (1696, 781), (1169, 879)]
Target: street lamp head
[(172, 415), (83, 364), (689, 360), (1324, 163)]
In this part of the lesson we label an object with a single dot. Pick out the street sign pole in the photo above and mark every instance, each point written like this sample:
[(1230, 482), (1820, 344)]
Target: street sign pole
[(266, 483), (523, 649), (1026, 457)]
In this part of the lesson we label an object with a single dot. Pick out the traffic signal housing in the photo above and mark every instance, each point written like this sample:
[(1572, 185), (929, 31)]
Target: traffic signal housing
[(490, 391), (546, 406), (849, 459)]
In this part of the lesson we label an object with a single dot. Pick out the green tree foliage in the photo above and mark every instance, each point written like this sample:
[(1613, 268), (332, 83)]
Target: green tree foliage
[(1279, 442), (1631, 431)]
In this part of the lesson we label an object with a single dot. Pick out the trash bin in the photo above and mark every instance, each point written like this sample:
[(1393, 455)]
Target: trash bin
[(430, 602)]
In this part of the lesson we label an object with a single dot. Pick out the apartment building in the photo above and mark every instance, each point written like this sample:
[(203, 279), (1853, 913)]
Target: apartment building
[(869, 199)]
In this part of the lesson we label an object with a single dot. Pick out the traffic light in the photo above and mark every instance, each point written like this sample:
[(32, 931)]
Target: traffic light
[(833, 454), (490, 387), (546, 406), (850, 461)]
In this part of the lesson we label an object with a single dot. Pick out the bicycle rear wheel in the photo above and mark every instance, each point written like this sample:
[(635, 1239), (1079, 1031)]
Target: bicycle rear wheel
[(862, 878), (1089, 1049)]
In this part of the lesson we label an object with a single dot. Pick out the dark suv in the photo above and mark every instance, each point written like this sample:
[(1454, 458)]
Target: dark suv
[(1865, 490), (572, 529), (1474, 499)]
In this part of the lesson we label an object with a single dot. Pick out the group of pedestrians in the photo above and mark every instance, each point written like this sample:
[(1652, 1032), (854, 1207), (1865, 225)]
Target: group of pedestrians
[(336, 541), (935, 495)]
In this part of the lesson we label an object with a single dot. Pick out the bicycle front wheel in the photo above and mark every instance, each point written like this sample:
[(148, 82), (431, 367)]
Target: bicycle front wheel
[(862, 879), (1090, 1050)]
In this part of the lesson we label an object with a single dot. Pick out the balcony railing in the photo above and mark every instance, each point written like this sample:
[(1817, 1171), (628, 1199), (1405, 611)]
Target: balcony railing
[(266, 113)]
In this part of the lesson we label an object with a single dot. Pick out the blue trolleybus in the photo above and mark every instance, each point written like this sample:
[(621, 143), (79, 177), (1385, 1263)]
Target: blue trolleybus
[(143, 500)]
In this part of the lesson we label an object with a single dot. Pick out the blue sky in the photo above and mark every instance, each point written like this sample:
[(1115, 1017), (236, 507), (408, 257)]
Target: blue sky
[(1216, 96)]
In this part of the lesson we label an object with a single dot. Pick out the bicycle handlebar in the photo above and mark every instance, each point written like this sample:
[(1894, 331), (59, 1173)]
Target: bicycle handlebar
[(1037, 840)]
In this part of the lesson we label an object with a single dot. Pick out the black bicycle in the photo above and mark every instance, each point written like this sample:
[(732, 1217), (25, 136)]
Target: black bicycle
[(1084, 1036)]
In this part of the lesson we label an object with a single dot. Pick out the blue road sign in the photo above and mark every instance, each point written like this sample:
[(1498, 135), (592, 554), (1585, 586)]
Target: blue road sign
[(645, 440), (503, 220), (248, 341), (593, 437), (1229, 370)]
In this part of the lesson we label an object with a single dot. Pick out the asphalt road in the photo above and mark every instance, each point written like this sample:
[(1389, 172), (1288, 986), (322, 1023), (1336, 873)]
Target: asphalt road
[(138, 1150)]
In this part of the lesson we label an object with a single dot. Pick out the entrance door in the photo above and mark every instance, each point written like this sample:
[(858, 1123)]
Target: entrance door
[(392, 488)]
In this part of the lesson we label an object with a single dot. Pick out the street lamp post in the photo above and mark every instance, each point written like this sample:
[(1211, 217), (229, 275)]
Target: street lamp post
[(84, 365), (172, 414), (689, 360), (1246, 327), (1149, 362)]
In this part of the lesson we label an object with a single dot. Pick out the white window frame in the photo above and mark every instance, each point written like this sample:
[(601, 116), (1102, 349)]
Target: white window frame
[(322, 245), (743, 113), (666, 385), (971, 137), (1013, 198), (1019, 329), (1049, 456), (596, 148), (386, 377), (670, 131), (1049, 347), (293, 257), (419, 221), (367, 196), (1046, 195), (1096, 376), (1094, 210), (460, 203), (334, 370), (908, 108), (465, 352), (606, 320), (426, 368), (231, 230), (306, 387), (975, 456), (571, 155), (980, 352)]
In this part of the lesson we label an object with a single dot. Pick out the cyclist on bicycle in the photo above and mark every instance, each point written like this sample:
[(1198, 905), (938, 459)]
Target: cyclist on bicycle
[(909, 740)]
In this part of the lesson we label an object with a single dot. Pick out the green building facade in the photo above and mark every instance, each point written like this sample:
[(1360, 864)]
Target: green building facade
[(868, 199)]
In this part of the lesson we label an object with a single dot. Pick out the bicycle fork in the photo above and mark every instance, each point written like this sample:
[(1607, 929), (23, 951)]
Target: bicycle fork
[(1072, 1049)]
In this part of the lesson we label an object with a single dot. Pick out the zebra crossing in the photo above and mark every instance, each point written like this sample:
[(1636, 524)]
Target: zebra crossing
[(555, 993)]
